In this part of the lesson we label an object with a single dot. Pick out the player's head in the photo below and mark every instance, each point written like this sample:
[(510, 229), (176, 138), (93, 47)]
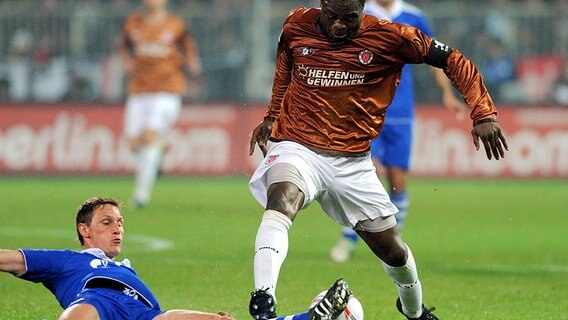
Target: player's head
[(341, 19), (100, 225), (155, 4), (385, 3)]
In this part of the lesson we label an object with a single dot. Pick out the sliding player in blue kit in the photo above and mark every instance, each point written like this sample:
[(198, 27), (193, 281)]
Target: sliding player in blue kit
[(91, 285), (391, 150)]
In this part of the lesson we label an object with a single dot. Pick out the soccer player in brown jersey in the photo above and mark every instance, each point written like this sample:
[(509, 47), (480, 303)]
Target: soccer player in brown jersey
[(155, 47), (391, 150), (336, 73)]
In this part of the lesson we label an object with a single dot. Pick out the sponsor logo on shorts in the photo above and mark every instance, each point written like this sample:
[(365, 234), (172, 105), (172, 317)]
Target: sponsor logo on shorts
[(272, 158)]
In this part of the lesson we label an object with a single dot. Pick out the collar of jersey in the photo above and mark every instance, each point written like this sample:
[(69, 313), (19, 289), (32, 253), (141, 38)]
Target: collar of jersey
[(101, 255)]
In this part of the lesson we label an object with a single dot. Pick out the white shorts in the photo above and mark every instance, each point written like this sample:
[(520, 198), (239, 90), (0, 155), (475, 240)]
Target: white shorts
[(347, 188), (150, 111)]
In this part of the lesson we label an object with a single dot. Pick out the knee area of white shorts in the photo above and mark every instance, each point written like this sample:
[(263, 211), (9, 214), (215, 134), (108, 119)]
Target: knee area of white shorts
[(276, 217)]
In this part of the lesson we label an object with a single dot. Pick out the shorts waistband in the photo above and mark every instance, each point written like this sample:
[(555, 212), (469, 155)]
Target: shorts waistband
[(329, 153), (106, 283)]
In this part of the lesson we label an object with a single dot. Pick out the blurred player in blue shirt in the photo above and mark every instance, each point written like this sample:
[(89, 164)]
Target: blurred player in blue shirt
[(392, 148)]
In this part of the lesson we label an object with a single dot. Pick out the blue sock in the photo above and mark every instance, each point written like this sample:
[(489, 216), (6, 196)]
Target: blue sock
[(350, 234), (299, 316), (401, 201)]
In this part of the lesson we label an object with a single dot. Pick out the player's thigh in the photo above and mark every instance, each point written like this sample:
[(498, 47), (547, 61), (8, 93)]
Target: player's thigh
[(135, 113), (356, 193), (80, 311), (290, 162), (163, 112)]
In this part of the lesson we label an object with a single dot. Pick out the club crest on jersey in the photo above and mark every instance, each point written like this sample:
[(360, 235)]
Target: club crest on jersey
[(272, 158), (365, 57), (305, 51), (98, 263)]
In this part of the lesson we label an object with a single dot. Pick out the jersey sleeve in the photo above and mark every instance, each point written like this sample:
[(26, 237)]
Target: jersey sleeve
[(413, 46), (43, 265), (282, 75), (467, 79)]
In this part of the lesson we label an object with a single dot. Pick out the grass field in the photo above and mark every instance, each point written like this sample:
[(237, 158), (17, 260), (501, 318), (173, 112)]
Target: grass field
[(486, 249)]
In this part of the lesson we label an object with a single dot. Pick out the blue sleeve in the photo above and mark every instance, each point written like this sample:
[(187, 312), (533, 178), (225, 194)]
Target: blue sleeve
[(43, 265), (424, 25)]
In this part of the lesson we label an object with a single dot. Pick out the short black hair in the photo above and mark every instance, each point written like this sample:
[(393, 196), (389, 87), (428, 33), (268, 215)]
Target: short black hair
[(87, 209), (361, 2)]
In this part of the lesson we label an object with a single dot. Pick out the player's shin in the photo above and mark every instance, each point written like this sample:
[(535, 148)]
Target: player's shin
[(407, 284), (271, 247)]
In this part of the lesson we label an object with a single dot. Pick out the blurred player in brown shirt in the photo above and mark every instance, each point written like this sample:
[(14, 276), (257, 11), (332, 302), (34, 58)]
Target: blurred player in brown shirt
[(155, 48), (337, 70)]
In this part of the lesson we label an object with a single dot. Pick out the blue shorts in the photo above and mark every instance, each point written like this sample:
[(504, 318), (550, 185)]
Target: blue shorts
[(114, 305), (393, 146)]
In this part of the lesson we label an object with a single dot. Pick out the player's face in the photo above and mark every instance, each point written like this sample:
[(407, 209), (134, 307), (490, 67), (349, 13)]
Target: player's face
[(340, 19), (155, 4), (105, 230), (385, 3)]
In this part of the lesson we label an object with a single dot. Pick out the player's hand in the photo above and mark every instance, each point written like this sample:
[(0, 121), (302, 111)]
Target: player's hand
[(225, 315), (452, 103), (127, 65), (260, 136), (492, 138)]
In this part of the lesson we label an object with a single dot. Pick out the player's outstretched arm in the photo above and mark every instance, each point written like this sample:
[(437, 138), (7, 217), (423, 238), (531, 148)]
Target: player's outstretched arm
[(492, 138), (193, 315), (12, 261), (467, 79)]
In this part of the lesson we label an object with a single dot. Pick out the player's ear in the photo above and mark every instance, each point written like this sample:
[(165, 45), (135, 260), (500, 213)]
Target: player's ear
[(83, 230)]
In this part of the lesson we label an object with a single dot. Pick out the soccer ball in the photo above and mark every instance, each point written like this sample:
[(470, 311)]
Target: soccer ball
[(354, 310)]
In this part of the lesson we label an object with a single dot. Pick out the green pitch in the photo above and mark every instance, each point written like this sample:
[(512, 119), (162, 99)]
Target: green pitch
[(486, 249)]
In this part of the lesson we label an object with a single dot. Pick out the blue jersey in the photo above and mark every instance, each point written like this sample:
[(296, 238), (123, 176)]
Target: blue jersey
[(66, 274), (401, 110)]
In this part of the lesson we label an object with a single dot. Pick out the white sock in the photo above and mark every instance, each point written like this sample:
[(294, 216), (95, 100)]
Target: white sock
[(408, 285), (147, 171), (271, 247)]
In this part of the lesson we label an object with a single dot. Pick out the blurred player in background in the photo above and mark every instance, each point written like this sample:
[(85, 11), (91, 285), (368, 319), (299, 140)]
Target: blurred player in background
[(391, 150), (92, 285), (155, 47), (336, 73)]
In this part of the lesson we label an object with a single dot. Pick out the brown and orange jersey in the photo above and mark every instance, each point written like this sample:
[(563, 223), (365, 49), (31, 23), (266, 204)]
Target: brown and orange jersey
[(160, 51), (333, 95)]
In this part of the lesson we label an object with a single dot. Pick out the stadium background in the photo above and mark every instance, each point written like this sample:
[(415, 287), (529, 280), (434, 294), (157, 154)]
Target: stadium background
[(59, 65), (489, 236)]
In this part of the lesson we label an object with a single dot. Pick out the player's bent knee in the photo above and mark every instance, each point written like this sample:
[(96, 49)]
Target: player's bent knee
[(285, 198), (80, 311)]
